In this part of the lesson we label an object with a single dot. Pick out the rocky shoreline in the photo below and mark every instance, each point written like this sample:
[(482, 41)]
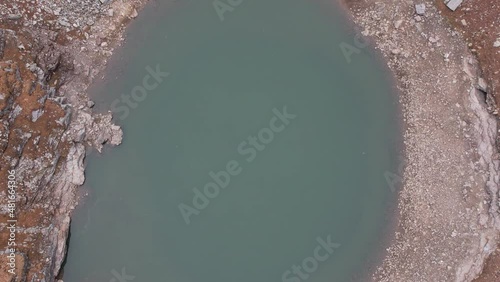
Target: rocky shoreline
[(49, 55), (449, 220), (449, 217)]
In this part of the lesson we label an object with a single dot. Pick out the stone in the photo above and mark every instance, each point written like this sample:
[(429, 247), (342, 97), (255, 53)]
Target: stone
[(420, 9), (14, 16), (36, 114), (63, 22), (446, 57), (482, 85), (496, 44), (74, 164), (2, 42), (79, 134), (134, 14), (398, 23), (17, 110), (453, 4)]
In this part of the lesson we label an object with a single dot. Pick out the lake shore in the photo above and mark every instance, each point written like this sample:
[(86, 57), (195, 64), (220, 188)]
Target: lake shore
[(49, 55), (448, 220)]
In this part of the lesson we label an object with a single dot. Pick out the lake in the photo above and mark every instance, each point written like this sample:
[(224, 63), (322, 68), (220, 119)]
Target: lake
[(258, 139)]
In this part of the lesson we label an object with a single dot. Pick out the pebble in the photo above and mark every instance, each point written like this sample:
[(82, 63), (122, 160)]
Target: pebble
[(63, 22), (420, 9), (14, 16), (134, 14), (398, 23), (446, 57)]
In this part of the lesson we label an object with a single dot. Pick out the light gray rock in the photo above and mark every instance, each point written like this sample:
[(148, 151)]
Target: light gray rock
[(95, 130), (134, 14), (63, 22), (74, 164), (398, 23), (36, 114), (14, 16), (482, 85), (17, 110), (420, 9), (453, 4)]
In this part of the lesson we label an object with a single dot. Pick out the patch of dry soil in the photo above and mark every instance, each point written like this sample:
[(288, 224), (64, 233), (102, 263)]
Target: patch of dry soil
[(479, 22)]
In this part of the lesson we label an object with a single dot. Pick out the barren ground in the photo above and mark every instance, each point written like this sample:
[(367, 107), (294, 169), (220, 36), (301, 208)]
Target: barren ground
[(449, 220)]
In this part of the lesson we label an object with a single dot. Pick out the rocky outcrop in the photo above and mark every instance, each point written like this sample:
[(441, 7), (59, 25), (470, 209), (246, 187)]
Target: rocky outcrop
[(47, 123), (486, 133), (47, 155)]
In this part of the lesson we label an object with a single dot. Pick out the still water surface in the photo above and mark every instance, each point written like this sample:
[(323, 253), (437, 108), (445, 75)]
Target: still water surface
[(304, 197)]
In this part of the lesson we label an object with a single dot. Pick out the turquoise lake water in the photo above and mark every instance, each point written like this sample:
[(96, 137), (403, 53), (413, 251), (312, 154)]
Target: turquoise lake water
[(253, 150)]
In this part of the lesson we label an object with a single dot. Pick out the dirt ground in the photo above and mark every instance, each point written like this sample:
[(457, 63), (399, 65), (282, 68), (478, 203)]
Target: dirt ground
[(479, 21)]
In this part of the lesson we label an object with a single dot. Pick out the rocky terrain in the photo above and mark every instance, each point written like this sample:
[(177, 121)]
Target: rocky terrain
[(446, 64), (50, 51), (449, 220), (479, 23)]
